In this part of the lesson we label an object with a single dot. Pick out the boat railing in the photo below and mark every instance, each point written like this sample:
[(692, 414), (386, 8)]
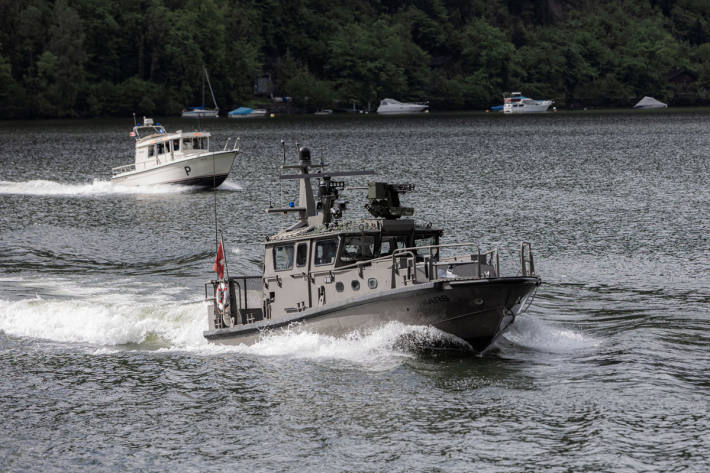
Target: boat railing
[(411, 258), (239, 309), (408, 257), (235, 147), (527, 263), (122, 169)]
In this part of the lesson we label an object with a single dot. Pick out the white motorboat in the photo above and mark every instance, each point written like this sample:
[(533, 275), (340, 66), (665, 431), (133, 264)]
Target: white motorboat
[(649, 103), (395, 107), (175, 158), (202, 111), (517, 103)]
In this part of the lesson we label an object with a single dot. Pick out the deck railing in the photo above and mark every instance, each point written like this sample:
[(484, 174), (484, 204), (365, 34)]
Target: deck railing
[(432, 260), (527, 264), (122, 169)]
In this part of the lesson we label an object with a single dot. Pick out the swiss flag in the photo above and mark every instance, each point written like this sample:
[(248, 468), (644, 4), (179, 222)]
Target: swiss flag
[(218, 265)]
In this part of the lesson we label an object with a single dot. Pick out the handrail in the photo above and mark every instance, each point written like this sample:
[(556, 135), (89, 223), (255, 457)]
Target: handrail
[(235, 147), (122, 169), (403, 252), (453, 245), (529, 268)]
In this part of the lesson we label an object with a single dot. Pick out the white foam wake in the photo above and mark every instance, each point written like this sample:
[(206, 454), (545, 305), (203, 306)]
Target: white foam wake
[(380, 346), (97, 187), (230, 186), (108, 323), (531, 332), (105, 323)]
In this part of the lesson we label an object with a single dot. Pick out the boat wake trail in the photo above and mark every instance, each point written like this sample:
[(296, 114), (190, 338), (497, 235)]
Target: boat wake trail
[(97, 187), (105, 323), (116, 322), (533, 333)]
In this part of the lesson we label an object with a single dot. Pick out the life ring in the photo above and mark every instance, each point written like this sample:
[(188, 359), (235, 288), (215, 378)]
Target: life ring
[(221, 296)]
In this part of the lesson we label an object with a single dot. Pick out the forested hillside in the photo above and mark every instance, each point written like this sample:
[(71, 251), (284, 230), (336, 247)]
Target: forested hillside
[(69, 58)]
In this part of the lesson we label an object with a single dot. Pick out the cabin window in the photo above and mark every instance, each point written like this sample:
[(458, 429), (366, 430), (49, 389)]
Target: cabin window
[(301, 254), (283, 257), (427, 240), (357, 248), (421, 240), (151, 151), (176, 145), (161, 148), (391, 243), (325, 251), (196, 143)]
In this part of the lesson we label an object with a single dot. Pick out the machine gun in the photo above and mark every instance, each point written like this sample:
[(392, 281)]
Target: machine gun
[(384, 200)]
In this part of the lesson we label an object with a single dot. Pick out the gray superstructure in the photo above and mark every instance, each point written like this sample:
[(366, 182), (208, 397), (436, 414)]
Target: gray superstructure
[(335, 276)]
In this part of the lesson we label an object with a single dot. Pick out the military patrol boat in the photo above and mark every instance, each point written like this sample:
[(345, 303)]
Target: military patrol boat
[(333, 276)]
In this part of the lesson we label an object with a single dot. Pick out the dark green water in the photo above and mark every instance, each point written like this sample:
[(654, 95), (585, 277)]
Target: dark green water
[(103, 366)]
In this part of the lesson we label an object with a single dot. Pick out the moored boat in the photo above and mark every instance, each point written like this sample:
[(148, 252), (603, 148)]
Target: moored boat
[(246, 112), (517, 103), (174, 158), (202, 111), (395, 107), (335, 276)]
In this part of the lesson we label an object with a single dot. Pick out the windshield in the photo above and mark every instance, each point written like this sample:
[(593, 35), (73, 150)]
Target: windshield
[(391, 243), (357, 248)]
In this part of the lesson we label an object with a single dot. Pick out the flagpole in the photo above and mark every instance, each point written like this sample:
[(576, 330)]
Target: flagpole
[(214, 193)]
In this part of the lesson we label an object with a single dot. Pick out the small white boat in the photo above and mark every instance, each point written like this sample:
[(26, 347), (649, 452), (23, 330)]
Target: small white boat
[(517, 103), (325, 111), (649, 103), (201, 111), (394, 107), (246, 112), (175, 158)]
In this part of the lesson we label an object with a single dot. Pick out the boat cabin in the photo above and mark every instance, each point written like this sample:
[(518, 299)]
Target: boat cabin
[(155, 146), (339, 262)]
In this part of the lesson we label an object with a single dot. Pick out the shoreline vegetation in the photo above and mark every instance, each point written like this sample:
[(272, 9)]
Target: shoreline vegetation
[(95, 58)]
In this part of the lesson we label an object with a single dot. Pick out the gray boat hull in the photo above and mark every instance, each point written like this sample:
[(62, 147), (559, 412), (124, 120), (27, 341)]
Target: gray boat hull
[(474, 310)]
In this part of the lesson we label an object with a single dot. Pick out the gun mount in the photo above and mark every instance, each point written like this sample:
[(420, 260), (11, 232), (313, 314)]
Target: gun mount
[(384, 200), (328, 193)]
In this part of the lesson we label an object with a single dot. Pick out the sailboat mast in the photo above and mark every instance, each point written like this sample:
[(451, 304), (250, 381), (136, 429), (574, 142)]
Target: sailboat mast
[(211, 91), (203, 87)]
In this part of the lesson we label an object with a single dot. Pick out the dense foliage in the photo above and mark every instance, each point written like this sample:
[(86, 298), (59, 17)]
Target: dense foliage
[(98, 57)]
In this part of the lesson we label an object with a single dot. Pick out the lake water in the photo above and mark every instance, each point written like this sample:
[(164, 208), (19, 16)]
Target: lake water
[(103, 366)]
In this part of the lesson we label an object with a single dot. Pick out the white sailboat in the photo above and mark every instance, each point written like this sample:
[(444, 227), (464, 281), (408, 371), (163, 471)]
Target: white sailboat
[(201, 111), (175, 158)]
